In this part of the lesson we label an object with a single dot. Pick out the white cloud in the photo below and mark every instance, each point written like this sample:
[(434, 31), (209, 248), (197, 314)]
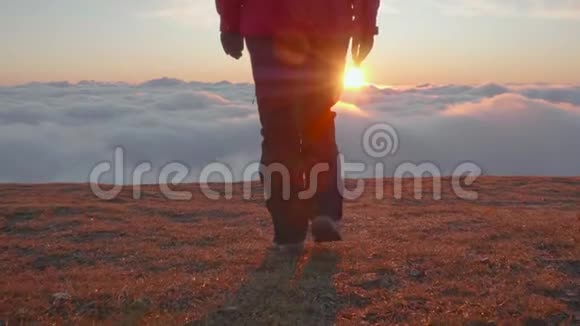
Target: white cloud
[(189, 12), (58, 132), (557, 9), (202, 13)]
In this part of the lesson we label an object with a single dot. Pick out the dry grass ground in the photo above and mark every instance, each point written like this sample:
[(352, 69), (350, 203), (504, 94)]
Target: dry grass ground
[(511, 257)]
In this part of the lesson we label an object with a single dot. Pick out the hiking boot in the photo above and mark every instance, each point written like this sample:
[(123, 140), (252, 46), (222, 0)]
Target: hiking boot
[(293, 248), (325, 229)]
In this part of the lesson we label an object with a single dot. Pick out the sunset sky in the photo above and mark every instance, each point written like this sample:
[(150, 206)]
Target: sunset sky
[(435, 41), (494, 82)]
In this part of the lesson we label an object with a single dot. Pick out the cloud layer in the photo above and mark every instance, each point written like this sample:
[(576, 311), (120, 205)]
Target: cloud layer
[(60, 131)]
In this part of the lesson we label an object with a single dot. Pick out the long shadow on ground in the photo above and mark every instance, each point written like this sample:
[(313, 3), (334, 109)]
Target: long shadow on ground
[(276, 295)]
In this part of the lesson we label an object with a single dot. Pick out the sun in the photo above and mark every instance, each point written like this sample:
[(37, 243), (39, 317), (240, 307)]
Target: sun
[(354, 77)]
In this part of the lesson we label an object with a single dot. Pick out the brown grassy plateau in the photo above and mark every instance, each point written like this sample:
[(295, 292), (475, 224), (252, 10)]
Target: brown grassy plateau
[(511, 257)]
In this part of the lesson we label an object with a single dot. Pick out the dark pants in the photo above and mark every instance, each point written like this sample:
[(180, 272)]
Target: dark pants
[(298, 81)]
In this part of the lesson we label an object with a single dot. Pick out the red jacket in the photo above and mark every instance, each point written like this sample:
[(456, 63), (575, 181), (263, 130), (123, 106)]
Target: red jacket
[(318, 17)]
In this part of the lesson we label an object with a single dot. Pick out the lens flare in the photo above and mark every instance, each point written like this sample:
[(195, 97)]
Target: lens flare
[(354, 78)]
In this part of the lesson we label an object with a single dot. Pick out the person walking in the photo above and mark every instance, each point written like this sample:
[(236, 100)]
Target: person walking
[(298, 54)]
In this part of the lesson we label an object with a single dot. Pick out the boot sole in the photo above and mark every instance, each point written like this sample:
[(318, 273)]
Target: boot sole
[(324, 230)]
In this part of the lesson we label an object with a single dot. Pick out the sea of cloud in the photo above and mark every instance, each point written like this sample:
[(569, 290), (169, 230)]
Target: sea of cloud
[(57, 132)]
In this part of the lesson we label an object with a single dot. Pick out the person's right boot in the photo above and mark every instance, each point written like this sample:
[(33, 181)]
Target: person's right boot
[(290, 249), (325, 229)]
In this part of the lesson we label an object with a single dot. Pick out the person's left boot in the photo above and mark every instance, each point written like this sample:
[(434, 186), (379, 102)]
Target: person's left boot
[(325, 229)]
